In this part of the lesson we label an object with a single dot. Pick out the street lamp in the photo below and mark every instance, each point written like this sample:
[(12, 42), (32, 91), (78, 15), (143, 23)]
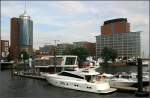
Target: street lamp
[(22, 56), (55, 54)]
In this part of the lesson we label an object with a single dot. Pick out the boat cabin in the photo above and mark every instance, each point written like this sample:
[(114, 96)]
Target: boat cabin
[(88, 75)]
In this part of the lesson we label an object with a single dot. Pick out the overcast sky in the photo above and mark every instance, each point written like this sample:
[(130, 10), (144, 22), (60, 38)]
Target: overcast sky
[(71, 21)]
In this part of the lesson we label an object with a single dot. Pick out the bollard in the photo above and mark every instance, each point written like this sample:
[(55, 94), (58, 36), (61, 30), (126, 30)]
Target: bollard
[(140, 92), (12, 70)]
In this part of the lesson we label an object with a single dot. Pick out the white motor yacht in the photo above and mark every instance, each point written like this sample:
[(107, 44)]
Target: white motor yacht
[(84, 80)]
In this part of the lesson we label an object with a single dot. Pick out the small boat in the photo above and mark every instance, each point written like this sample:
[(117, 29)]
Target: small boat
[(127, 80), (83, 79), (123, 82)]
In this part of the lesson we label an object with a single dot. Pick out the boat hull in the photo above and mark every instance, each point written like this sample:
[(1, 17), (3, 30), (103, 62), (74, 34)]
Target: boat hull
[(126, 83), (102, 87), (121, 84)]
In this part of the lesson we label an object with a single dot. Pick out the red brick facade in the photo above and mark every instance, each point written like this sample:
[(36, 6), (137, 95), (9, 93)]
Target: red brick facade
[(4, 47), (14, 38), (119, 26)]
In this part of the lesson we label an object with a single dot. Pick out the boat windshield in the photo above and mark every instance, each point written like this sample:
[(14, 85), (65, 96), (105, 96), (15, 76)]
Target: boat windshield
[(91, 78), (70, 61), (70, 75)]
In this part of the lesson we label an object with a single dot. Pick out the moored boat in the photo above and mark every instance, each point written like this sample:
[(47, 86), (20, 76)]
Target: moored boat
[(127, 80), (84, 80)]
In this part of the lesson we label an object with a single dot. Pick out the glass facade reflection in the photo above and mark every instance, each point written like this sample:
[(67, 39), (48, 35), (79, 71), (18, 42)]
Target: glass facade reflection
[(26, 29), (126, 44)]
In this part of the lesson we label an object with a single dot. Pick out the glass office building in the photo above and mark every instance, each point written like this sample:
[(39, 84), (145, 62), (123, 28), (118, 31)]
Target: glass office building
[(26, 29), (127, 44), (26, 33)]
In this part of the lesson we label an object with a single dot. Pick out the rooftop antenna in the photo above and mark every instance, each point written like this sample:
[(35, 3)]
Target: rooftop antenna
[(25, 7)]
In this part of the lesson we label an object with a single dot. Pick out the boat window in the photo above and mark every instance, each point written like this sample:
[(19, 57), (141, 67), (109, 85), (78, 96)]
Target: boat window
[(75, 85), (70, 75), (89, 87), (70, 61), (127, 77), (88, 78), (86, 71)]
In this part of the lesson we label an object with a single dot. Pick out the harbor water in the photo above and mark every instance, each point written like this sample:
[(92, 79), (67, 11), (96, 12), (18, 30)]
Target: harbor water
[(15, 86)]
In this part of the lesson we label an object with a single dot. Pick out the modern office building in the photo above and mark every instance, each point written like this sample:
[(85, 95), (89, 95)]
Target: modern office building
[(63, 48), (91, 47), (26, 33), (4, 47), (21, 35), (117, 35), (47, 50)]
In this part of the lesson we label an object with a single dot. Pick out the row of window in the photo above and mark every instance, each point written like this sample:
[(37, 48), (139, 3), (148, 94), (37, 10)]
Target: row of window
[(76, 85), (71, 75)]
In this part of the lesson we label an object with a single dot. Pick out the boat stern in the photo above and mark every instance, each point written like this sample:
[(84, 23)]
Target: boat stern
[(104, 88)]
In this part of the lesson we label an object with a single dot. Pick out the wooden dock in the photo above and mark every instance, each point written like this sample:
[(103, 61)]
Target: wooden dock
[(6, 65), (131, 89), (125, 88), (119, 88), (31, 76)]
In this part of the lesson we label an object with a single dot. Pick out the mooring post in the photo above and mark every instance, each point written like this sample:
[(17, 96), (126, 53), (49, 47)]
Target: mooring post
[(140, 92), (12, 70), (140, 83)]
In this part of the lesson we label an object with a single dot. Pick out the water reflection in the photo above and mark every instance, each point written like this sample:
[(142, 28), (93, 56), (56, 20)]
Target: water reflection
[(116, 69), (24, 87)]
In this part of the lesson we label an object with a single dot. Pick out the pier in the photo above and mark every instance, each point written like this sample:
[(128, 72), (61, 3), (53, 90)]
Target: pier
[(6, 65), (131, 89), (30, 76), (119, 88)]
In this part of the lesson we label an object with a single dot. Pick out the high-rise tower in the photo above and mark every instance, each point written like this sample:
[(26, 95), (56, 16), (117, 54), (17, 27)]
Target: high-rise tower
[(26, 33), (21, 35)]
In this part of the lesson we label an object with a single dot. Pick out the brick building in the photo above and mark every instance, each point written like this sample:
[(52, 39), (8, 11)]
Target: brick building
[(64, 47), (119, 25), (91, 47), (4, 47)]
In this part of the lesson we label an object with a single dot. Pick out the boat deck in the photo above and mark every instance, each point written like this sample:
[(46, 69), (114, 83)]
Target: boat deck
[(30, 76)]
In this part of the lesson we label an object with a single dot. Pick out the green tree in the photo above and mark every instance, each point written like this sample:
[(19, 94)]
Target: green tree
[(24, 55), (8, 57), (109, 54), (114, 54), (67, 52), (82, 53)]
